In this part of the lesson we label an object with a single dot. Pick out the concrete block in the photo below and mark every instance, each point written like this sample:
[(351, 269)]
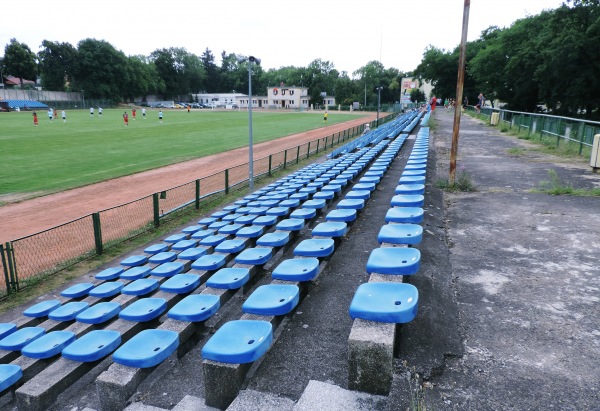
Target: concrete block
[(222, 382)]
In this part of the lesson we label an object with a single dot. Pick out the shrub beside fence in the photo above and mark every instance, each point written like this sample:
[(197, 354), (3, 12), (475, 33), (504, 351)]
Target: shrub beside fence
[(50, 251)]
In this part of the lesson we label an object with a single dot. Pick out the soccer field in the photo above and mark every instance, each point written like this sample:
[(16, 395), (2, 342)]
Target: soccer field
[(56, 156)]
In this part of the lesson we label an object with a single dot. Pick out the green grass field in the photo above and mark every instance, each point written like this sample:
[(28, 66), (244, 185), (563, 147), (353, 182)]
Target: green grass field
[(55, 156)]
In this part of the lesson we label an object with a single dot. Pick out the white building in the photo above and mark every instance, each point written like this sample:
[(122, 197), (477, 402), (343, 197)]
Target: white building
[(288, 97)]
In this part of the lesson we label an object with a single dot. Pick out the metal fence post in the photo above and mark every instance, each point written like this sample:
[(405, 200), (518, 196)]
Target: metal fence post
[(284, 159), (97, 233), (197, 203), (308, 151), (13, 281), (298, 155), (325, 145), (318, 141), (332, 139), (5, 266), (156, 206), (226, 181), (270, 162)]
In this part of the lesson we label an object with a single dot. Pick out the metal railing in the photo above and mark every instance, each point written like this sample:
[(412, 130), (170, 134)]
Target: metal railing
[(50, 251), (545, 126)]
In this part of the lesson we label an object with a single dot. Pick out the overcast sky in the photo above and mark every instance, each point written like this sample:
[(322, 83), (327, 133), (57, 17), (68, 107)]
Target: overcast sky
[(280, 32)]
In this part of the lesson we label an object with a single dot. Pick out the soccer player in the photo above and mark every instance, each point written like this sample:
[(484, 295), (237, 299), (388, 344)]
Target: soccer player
[(64, 116), (144, 113), (99, 111), (133, 113), (160, 116), (126, 119), (50, 114), (325, 118), (91, 112), (35, 119)]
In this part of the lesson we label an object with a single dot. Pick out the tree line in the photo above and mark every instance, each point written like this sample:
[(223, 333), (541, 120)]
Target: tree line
[(102, 71), (550, 61)]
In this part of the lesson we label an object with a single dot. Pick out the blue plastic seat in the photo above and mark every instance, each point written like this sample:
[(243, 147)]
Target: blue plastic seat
[(107, 289), (175, 238), (315, 204), (385, 302), (324, 195), (147, 349), (245, 219), (144, 309), (255, 256), (404, 215), (290, 224), (304, 213), (195, 308), (164, 257), (358, 194), (217, 225), (239, 342), (252, 231), (9, 375), (20, 338), (290, 203), (7, 329), (184, 245), (209, 262), (231, 246), (411, 180), (400, 234), (417, 161), (167, 269), (272, 299), (99, 313), (77, 290), (410, 189), (258, 211), (274, 239), (92, 346), (231, 217), (408, 200), (140, 287), (219, 214), (229, 278), (409, 173), (181, 284), (157, 248), (109, 274), (202, 234), (370, 179), (297, 269), (192, 229), (231, 208), (213, 240), (332, 188), (192, 254), (265, 220), (315, 247), (136, 273), (330, 229), (345, 215), (269, 203), (364, 186), (48, 345), (69, 311), (394, 261), (134, 261), (415, 166), (41, 309), (230, 229), (278, 211), (351, 203), (375, 173), (207, 221)]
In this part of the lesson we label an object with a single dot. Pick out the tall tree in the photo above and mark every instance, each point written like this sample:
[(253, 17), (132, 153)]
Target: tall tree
[(212, 72), (20, 61), (58, 65), (102, 69)]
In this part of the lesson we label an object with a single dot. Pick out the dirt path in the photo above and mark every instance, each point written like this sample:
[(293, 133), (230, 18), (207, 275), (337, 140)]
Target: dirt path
[(28, 217)]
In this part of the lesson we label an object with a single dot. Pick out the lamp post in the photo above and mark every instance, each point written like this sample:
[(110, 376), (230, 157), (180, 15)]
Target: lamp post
[(378, 103), (250, 60)]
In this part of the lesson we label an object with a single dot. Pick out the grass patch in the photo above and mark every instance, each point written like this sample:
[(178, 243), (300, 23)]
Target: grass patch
[(555, 187), (462, 182), (516, 151), (56, 156)]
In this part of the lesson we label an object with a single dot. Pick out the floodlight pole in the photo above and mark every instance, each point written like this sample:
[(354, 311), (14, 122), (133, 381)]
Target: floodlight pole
[(251, 59), (378, 103)]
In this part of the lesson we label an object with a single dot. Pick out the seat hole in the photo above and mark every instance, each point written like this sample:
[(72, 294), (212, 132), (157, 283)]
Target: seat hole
[(156, 349), (397, 302), (404, 261), (281, 300), (251, 342)]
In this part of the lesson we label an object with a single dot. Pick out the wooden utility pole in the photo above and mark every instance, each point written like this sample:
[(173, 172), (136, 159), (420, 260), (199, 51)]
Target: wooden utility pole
[(459, 93)]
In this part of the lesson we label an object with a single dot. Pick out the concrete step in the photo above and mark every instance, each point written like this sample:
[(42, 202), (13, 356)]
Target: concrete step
[(256, 400), (324, 396)]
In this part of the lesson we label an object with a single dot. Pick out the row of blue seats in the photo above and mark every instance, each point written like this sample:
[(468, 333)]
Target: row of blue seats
[(160, 263), (402, 124), (397, 302), (161, 253), (241, 342), (26, 104)]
